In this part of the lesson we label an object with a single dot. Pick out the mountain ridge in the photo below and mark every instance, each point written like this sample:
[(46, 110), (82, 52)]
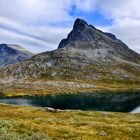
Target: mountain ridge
[(11, 54), (86, 54), (82, 33)]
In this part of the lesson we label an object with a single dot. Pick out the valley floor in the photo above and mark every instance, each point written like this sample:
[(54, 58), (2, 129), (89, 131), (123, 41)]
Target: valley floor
[(29, 123), (21, 88)]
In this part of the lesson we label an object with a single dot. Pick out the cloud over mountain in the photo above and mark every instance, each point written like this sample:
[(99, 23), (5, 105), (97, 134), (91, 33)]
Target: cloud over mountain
[(39, 25)]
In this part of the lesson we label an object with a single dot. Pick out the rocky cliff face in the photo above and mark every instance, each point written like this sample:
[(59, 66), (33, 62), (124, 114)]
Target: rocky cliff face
[(86, 54), (12, 54), (102, 45)]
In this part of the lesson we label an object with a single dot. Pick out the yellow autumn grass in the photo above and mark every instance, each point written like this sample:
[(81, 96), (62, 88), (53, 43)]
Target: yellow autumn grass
[(29, 123)]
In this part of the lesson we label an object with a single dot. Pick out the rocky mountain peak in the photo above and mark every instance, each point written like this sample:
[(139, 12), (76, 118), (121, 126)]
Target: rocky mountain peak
[(87, 53), (12, 54), (83, 33), (4, 48), (3, 45), (96, 44), (79, 24)]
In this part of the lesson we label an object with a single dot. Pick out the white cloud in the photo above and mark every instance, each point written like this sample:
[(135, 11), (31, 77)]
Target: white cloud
[(25, 41), (128, 30), (85, 5), (120, 8), (33, 37), (35, 20), (34, 11), (39, 25), (126, 16)]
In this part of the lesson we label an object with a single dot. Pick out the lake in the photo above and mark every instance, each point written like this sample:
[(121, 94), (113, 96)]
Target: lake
[(114, 102)]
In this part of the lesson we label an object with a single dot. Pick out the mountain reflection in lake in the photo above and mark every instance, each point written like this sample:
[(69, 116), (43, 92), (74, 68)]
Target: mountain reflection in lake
[(116, 102)]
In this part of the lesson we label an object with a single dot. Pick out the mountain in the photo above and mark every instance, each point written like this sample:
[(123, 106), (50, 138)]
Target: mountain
[(12, 54), (86, 55), (101, 45)]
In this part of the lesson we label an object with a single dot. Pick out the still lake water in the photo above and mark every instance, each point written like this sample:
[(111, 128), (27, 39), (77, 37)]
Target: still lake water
[(114, 102)]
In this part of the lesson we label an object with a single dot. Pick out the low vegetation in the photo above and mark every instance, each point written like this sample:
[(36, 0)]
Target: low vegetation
[(60, 86), (28, 123)]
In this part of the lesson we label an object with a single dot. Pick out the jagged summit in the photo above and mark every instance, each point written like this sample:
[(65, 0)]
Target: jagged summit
[(80, 33), (79, 24), (83, 33), (102, 45), (86, 53)]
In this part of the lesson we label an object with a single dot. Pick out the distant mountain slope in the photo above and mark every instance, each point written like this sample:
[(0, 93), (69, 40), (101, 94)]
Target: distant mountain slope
[(86, 54), (12, 54)]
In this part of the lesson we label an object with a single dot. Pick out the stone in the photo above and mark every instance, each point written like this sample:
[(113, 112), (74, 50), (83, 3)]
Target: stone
[(103, 133)]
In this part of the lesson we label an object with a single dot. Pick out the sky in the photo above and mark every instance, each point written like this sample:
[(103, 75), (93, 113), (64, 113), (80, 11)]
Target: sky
[(39, 25)]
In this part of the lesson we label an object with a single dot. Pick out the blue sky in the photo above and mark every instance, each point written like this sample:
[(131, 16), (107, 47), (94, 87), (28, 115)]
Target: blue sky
[(39, 25), (95, 18)]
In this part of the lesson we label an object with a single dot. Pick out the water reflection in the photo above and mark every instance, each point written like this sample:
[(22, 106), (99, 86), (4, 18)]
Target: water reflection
[(118, 102), (24, 102)]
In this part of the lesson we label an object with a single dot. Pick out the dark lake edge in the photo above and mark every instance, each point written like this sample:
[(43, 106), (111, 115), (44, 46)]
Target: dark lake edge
[(96, 101)]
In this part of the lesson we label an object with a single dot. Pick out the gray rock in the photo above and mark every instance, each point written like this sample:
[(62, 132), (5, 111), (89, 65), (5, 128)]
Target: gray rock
[(86, 54), (103, 133), (12, 54), (86, 36)]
